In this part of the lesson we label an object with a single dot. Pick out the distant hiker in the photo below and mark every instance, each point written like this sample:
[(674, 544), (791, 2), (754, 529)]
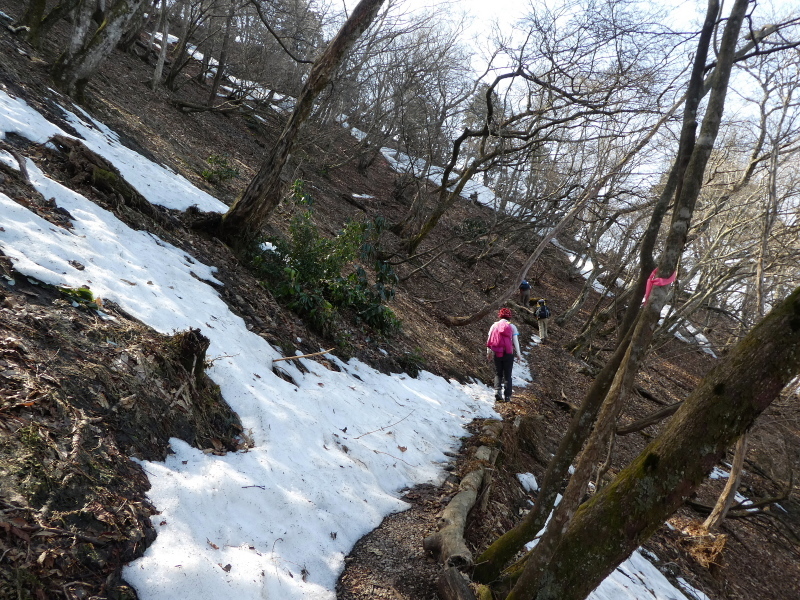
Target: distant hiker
[(525, 293), (502, 346), (542, 314)]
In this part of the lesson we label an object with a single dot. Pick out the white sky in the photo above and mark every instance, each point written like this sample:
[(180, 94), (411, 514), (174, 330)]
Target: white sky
[(331, 454)]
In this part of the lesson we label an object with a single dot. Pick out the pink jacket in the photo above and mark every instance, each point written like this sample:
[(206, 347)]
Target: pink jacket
[(500, 339)]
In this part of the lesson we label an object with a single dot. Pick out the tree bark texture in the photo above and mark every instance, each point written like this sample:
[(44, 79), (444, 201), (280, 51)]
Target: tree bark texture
[(87, 50), (452, 585), (608, 527), (163, 25), (249, 213)]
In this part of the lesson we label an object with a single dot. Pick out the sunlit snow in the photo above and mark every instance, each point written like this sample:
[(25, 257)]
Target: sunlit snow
[(332, 453)]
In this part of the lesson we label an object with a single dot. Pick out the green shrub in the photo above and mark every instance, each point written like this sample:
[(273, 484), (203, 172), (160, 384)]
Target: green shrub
[(412, 362), (82, 296), (318, 277), (219, 169)]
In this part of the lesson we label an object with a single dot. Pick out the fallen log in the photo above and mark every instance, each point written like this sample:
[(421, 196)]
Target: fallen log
[(452, 585), (448, 542), (189, 107), (646, 394)]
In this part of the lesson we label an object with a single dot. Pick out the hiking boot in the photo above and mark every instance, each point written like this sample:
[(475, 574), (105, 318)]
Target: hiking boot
[(498, 398)]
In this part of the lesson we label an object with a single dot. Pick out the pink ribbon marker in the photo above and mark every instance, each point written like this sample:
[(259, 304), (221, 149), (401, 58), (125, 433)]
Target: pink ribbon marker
[(659, 281)]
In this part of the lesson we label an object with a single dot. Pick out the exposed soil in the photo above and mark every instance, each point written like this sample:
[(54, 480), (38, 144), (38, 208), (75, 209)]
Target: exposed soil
[(79, 394)]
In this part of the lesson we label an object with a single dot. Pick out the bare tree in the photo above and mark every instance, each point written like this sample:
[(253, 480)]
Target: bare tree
[(263, 194), (603, 402), (163, 27), (636, 503), (89, 44), (222, 60), (558, 92)]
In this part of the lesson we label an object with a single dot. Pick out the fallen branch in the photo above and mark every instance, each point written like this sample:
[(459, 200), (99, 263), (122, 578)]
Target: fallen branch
[(565, 403), (303, 355), (23, 169), (645, 394), (188, 107), (651, 419), (741, 510), (385, 426), (351, 200)]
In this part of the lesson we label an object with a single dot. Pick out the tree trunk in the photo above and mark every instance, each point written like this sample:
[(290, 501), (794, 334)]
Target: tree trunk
[(687, 194), (135, 26), (608, 527), (179, 58), (162, 54), (39, 30), (617, 376), (32, 19), (725, 500), (87, 50), (223, 56), (249, 213)]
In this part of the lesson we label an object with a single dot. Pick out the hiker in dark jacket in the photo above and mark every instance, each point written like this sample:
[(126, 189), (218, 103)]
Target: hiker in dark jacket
[(542, 314), (503, 346), (525, 293)]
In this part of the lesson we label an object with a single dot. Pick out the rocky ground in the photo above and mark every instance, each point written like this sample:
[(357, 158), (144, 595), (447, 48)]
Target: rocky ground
[(79, 394)]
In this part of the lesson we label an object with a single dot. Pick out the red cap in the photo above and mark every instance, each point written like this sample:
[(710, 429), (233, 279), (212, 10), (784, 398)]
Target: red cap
[(504, 313)]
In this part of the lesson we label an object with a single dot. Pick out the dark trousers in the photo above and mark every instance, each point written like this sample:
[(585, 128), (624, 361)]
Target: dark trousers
[(502, 372)]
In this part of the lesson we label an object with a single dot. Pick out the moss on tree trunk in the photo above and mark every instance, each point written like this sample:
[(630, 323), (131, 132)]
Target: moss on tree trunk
[(607, 528)]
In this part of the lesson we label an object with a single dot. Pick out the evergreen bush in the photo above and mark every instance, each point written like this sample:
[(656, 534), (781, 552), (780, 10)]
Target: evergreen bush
[(319, 278)]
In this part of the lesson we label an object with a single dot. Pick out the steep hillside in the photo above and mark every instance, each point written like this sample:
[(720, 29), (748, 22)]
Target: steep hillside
[(80, 394)]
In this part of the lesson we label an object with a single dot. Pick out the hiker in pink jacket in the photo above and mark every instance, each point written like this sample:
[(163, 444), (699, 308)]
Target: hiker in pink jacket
[(503, 346)]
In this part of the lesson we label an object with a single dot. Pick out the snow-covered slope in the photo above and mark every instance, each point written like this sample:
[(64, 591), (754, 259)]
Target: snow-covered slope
[(332, 452)]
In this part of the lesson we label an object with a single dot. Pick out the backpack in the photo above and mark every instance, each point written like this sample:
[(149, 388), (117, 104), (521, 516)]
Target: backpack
[(500, 338), (543, 312), (524, 286)]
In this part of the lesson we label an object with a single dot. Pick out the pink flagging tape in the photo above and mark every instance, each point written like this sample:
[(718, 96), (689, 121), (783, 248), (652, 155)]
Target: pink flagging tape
[(660, 281)]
